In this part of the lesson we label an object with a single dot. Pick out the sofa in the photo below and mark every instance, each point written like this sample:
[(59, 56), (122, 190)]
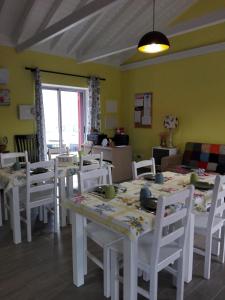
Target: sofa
[(210, 157)]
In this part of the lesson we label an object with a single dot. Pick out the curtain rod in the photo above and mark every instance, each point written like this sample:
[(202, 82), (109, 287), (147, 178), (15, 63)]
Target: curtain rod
[(60, 73)]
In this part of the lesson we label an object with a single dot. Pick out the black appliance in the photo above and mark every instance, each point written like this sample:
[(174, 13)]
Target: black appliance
[(121, 139), (96, 138)]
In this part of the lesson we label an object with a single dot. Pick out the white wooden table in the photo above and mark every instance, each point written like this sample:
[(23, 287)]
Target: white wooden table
[(116, 220), (12, 181)]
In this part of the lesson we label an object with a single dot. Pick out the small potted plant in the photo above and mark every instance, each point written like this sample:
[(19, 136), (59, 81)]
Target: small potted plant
[(170, 122)]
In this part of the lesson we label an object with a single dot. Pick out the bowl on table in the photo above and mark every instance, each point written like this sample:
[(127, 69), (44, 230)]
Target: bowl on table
[(149, 203)]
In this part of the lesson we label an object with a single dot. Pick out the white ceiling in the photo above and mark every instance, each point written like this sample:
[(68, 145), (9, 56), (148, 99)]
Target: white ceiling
[(105, 31)]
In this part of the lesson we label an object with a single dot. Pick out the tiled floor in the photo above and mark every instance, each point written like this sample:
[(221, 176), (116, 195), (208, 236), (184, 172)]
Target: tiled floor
[(42, 270)]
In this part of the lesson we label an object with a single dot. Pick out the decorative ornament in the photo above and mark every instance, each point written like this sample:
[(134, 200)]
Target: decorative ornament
[(170, 122)]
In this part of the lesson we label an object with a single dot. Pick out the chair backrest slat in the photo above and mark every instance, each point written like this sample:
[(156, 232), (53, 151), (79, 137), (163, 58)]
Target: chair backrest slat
[(8, 159), (42, 187), (143, 164), (175, 217), (171, 237), (42, 176)]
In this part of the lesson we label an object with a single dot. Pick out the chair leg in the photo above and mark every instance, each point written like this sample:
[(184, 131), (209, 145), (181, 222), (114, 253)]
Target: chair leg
[(28, 213), (0, 210), (56, 221), (85, 247), (153, 284), (180, 278), (41, 216), (45, 214), (207, 263), (106, 271), (5, 206), (114, 271), (222, 245)]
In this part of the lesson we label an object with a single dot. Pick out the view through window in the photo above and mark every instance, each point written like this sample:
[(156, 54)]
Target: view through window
[(64, 117)]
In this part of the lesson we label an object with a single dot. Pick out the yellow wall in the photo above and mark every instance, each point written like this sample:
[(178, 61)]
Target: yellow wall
[(21, 85), (193, 89)]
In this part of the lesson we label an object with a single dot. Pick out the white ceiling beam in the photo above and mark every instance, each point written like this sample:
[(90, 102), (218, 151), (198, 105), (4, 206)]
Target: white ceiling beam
[(190, 26), (66, 23), (78, 42), (214, 18), (176, 56), (110, 21), (49, 15), (80, 37), (56, 40), (123, 20), (20, 25)]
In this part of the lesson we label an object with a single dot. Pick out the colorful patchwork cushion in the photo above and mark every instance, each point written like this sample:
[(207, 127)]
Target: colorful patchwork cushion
[(210, 157)]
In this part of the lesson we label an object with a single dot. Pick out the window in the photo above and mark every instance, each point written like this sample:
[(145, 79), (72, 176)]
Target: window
[(64, 111)]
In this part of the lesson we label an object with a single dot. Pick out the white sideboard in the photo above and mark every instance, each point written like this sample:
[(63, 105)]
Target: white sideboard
[(119, 156)]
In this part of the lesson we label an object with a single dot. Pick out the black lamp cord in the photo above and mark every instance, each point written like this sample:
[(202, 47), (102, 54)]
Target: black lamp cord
[(153, 16)]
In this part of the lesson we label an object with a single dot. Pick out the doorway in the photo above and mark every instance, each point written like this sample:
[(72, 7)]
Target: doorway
[(64, 111)]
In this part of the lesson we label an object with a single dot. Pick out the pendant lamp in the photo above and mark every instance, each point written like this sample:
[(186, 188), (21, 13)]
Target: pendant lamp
[(154, 41)]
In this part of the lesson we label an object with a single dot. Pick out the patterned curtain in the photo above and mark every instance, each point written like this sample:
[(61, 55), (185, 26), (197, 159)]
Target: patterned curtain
[(40, 120), (94, 109)]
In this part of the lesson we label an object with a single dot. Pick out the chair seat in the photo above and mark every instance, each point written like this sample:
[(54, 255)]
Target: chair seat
[(144, 251), (101, 235), (201, 221)]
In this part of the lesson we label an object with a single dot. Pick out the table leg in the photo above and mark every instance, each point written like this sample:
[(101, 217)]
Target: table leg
[(78, 249), (15, 214), (69, 183), (130, 269), (188, 261), (62, 196), (1, 208)]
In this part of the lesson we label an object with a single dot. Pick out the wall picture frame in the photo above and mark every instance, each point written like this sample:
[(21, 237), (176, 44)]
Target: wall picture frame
[(26, 112), (4, 97), (143, 110)]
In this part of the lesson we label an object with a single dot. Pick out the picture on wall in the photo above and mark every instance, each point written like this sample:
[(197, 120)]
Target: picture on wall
[(143, 110), (4, 97)]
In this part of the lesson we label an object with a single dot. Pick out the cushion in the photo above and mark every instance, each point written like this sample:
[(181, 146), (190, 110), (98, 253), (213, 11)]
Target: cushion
[(210, 157)]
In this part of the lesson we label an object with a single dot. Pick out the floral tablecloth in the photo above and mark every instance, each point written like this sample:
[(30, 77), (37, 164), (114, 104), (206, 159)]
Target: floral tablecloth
[(123, 213), (10, 178)]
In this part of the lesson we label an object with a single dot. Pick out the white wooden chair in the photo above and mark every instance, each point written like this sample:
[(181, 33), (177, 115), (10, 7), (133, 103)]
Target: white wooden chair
[(7, 160), (209, 223), (143, 164), (160, 249), (98, 158), (53, 152), (100, 235), (40, 191)]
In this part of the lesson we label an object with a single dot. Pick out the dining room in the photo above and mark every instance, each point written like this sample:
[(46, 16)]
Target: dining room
[(112, 158)]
